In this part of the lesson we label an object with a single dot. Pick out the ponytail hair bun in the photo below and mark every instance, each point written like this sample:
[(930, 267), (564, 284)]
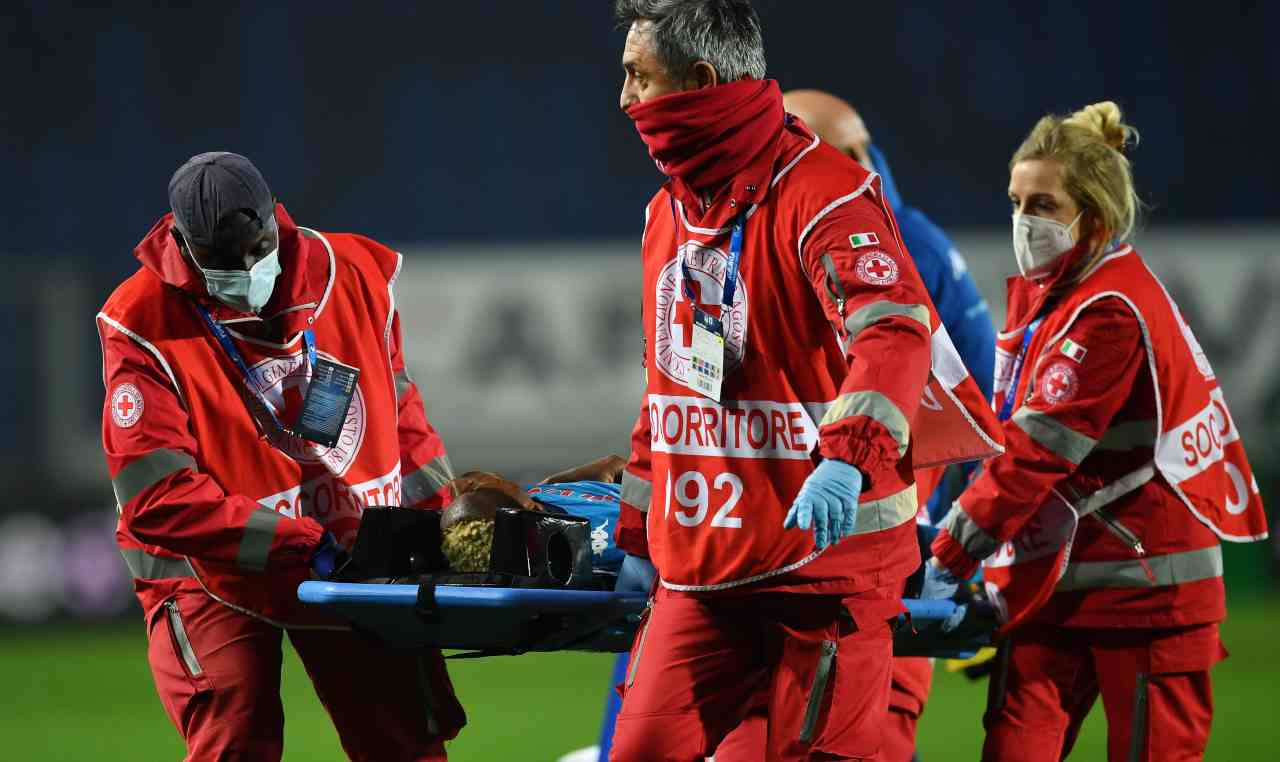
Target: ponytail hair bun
[(1104, 120), (1089, 146)]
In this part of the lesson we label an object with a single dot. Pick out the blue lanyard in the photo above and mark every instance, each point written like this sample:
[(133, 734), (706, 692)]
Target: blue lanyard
[(1006, 410), (731, 271), (223, 336)]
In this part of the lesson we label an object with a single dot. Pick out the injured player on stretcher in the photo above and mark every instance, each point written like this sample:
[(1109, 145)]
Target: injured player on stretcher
[(467, 525)]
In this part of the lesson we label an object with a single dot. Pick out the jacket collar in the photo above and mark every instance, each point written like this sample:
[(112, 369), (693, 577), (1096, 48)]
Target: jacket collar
[(751, 185), (1028, 298), (304, 275)]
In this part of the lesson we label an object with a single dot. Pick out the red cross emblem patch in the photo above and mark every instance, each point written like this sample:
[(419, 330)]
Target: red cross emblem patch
[(126, 405), (876, 268), (1059, 384)]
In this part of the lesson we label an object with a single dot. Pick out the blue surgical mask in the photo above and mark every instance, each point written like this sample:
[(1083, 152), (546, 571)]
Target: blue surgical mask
[(245, 290)]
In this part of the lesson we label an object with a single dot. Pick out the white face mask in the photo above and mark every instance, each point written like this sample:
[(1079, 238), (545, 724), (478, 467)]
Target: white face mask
[(1038, 242), (245, 290)]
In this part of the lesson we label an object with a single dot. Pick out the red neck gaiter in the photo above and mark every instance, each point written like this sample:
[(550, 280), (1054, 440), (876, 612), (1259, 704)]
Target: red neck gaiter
[(705, 137), (1026, 297)]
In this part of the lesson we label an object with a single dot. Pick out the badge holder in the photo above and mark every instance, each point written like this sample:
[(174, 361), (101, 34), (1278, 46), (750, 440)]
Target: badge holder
[(324, 409), (706, 361), (329, 394)]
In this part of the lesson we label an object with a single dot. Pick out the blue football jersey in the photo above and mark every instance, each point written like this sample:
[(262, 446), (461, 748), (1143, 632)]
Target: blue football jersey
[(598, 503)]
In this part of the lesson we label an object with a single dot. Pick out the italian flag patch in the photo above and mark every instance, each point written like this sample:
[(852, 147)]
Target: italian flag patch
[(858, 240), (1073, 350)]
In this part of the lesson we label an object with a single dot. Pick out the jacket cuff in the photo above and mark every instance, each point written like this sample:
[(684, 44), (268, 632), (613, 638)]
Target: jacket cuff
[(869, 457), (295, 541), (952, 555)]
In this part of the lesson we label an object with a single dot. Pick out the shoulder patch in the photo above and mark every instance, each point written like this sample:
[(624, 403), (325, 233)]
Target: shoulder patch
[(876, 268), (858, 240), (1073, 350), (1059, 384), (126, 405)]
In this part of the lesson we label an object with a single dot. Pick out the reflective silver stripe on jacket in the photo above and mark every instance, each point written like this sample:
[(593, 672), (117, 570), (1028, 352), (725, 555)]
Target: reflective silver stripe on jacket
[(143, 565), (1115, 490), (1169, 569), (877, 311), (887, 512), (148, 470), (875, 406), (1055, 436), (873, 516), (259, 533), (426, 481), (636, 491), (973, 538), (1129, 435), (403, 383)]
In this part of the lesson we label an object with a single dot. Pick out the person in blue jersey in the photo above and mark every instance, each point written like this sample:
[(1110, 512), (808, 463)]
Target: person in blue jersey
[(954, 293), (964, 314), (596, 502), (467, 523)]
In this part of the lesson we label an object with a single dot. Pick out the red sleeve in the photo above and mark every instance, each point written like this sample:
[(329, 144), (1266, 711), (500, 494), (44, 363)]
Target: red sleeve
[(424, 464), (164, 500), (637, 492), (875, 300), (1072, 403)]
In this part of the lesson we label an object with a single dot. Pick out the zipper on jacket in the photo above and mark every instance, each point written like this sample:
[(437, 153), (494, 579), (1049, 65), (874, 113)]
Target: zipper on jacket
[(834, 287), (644, 632), (820, 678), (1138, 729), (180, 639), (1122, 532), (1126, 536)]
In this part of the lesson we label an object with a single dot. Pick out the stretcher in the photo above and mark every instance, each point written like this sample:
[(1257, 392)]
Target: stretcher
[(489, 621)]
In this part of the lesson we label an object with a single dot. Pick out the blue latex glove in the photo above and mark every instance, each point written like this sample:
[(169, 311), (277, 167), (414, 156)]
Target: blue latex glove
[(636, 575), (828, 502), (328, 556), (939, 584)]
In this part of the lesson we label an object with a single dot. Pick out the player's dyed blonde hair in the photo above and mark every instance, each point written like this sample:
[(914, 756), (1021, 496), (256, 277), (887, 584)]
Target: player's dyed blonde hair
[(467, 545), (1089, 146)]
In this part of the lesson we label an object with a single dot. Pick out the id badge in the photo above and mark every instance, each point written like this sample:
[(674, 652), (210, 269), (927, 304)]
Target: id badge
[(706, 366), (324, 409)]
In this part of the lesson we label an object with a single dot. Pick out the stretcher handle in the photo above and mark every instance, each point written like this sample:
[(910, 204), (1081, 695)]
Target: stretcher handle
[(928, 612)]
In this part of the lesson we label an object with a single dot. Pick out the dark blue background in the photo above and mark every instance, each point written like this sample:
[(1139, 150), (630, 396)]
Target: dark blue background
[(498, 120)]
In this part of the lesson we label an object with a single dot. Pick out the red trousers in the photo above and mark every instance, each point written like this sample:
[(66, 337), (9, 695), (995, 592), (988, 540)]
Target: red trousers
[(1154, 686), (910, 687), (218, 675), (698, 664)]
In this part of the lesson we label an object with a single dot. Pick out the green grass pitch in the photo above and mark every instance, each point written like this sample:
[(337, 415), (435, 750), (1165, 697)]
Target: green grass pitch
[(85, 694)]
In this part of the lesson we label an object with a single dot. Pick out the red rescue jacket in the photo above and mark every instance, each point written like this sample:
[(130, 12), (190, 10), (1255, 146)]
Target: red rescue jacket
[(206, 499), (1120, 418), (832, 348)]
